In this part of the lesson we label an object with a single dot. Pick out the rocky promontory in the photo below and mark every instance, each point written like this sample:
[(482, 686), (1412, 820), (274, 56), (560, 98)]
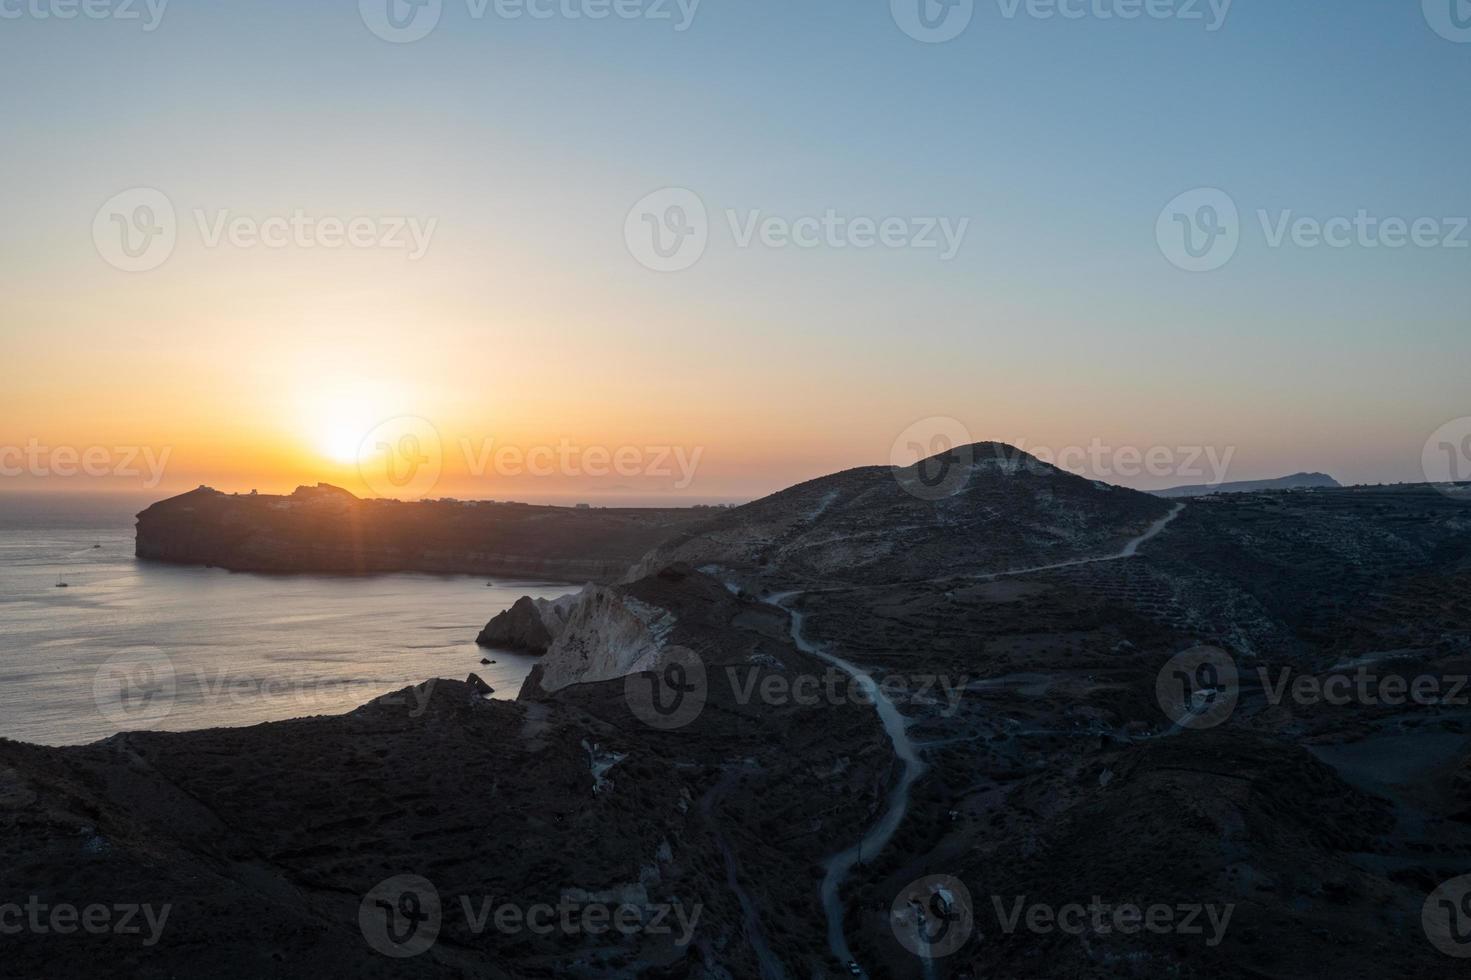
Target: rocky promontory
[(530, 625), (325, 529), (1298, 481)]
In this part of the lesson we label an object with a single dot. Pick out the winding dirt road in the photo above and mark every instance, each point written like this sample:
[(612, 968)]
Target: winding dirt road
[(840, 865)]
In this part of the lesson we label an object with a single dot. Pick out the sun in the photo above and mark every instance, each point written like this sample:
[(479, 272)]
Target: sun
[(340, 442), (336, 417), (337, 427)]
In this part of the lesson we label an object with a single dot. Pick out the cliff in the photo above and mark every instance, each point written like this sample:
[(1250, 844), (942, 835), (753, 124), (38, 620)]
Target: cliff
[(327, 530), (609, 632)]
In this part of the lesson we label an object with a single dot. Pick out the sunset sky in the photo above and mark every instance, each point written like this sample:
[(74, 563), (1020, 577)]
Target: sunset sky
[(528, 321)]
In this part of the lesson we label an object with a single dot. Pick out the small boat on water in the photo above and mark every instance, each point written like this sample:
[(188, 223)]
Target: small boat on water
[(61, 584)]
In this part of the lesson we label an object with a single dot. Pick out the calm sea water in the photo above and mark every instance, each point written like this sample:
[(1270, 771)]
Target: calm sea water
[(132, 645)]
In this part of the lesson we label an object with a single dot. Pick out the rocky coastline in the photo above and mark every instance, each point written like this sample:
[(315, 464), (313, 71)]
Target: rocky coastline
[(685, 740)]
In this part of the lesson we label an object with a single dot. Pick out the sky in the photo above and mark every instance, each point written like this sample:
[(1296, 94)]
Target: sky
[(879, 227)]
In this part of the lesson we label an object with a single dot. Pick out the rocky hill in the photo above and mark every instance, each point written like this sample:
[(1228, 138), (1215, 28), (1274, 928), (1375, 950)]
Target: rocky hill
[(1325, 825), (977, 509)]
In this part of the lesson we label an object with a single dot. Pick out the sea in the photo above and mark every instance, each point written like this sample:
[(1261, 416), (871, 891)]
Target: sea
[(132, 645)]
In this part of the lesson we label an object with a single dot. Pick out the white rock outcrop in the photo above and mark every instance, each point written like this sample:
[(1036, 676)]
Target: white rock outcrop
[(606, 634)]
